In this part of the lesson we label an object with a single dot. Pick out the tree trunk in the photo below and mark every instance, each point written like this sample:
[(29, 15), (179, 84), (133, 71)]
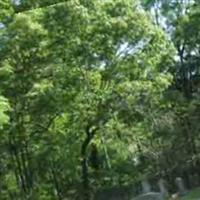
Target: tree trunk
[(55, 181), (85, 178)]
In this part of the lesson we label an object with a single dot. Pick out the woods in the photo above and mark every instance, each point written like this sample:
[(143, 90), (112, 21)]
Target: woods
[(97, 95)]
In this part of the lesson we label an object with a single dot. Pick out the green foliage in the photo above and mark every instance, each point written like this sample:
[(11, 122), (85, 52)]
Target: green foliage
[(82, 74), (4, 108), (6, 10)]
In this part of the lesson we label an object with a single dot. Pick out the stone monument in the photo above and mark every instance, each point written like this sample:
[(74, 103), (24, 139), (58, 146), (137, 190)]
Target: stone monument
[(180, 186), (150, 196), (146, 187), (162, 187)]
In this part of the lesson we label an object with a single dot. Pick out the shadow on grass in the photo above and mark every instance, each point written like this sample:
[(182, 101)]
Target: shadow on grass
[(192, 195)]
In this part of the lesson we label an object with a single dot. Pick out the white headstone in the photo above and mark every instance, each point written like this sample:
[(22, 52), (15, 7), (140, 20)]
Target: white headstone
[(146, 187), (162, 187), (150, 196), (180, 186)]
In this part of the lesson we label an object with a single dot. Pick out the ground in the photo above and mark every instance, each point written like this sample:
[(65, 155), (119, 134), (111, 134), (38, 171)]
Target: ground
[(193, 195)]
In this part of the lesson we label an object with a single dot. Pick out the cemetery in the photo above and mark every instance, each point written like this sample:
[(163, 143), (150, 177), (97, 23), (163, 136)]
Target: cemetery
[(125, 193)]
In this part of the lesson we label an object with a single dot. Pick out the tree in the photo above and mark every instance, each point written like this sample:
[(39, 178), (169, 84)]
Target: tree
[(181, 21), (78, 73)]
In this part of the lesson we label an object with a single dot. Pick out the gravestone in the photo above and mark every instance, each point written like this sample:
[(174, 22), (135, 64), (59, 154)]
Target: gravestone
[(180, 186), (194, 180), (146, 187), (162, 187), (150, 196)]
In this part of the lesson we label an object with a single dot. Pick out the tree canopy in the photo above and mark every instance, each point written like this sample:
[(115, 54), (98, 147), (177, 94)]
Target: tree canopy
[(95, 94)]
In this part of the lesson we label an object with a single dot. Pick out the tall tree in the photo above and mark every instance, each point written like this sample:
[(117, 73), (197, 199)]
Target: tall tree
[(79, 73)]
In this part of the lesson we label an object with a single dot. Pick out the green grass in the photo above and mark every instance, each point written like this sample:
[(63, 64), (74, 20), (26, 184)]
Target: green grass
[(193, 195)]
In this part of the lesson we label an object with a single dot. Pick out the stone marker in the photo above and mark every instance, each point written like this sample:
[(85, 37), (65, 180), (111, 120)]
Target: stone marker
[(150, 196), (180, 186), (146, 187), (162, 187)]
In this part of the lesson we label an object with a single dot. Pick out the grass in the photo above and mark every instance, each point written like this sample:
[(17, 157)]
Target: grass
[(193, 195)]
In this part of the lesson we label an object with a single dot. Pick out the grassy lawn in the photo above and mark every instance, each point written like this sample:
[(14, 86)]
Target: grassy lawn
[(193, 195)]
